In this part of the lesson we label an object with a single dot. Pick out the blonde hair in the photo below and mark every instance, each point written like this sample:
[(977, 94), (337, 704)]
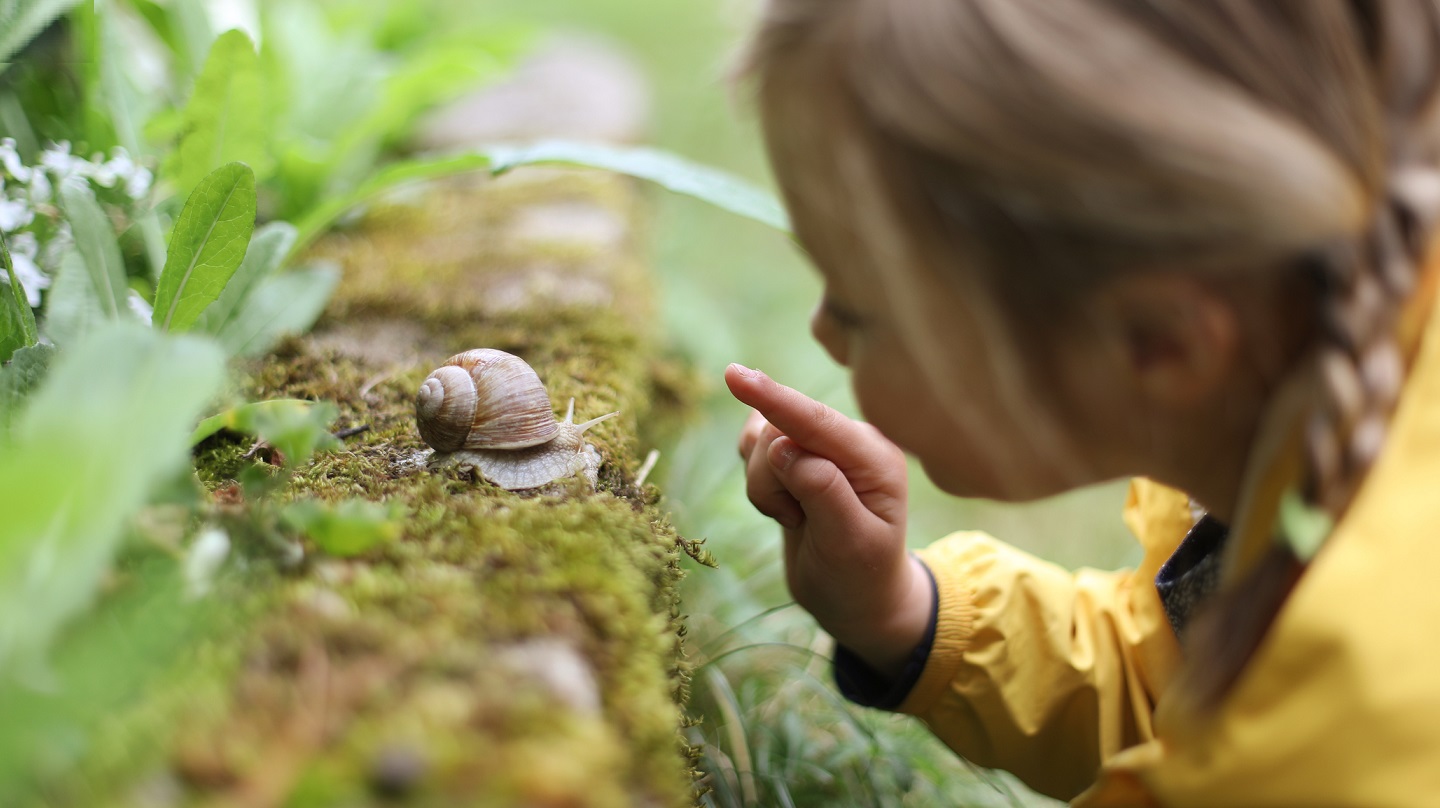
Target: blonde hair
[(1055, 143)]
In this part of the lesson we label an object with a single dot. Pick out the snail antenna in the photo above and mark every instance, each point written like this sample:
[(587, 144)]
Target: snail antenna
[(594, 421)]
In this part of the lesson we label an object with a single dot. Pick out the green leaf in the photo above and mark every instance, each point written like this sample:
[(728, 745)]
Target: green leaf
[(95, 240), (225, 119), (109, 424), (297, 433), (264, 255), (1303, 526), (17, 379), (723, 190), (17, 320), (134, 644), (247, 417), (670, 171), (348, 528), (206, 246), (288, 303), (22, 20), (72, 308)]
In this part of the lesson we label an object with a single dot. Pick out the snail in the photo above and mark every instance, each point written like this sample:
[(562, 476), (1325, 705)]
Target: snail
[(488, 409)]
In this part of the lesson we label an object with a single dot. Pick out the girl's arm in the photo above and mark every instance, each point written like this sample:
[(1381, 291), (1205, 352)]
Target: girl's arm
[(1044, 672), (1032, 668)]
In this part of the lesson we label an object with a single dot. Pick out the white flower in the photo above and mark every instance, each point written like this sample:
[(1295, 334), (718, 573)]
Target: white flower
[(32, 280), (14, 214), (137, 185), (101, 172), (40, 189), (24, 244), (135, 176), (10, 159), (204, 560), (58, 161), (139, 307)]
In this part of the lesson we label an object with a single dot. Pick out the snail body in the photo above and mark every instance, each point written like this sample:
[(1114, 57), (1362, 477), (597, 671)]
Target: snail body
[(488, 410)]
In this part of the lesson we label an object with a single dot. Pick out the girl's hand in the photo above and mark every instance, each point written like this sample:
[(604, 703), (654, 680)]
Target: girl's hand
[(837, 487)]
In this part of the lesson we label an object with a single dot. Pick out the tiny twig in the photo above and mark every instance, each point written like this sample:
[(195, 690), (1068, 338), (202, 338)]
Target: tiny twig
[(378, 379), (351, 432), (646, 467)]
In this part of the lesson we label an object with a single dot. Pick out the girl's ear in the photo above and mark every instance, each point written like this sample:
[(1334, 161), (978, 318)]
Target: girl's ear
[(1178, 338)]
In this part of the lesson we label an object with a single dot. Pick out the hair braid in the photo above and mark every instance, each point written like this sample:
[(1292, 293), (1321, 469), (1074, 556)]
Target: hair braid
[(1358, 365)]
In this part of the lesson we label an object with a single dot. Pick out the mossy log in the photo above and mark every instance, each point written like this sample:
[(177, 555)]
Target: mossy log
[(509, 649)]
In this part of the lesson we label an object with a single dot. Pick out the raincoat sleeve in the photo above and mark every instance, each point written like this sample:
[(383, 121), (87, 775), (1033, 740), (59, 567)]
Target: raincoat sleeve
[(1042, 671)]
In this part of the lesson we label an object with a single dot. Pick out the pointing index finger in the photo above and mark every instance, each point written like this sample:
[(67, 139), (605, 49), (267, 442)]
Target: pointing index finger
[(815, 427)]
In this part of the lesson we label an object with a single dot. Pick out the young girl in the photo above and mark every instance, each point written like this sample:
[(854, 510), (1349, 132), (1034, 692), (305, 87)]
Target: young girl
[(1065, 241)]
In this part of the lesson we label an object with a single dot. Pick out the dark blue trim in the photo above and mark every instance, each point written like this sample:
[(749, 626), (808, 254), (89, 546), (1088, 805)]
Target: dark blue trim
[(867, 687)]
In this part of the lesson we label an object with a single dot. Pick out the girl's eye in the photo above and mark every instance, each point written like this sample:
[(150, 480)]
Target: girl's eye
[(841, 315)]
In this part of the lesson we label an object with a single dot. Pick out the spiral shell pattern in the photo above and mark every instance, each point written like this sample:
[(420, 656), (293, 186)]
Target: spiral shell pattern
[(484, 399)]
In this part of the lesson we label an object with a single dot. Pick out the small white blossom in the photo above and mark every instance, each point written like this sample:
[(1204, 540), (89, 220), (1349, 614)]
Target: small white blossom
[(24, 244), (40, 189), (139, 307), (137, 185), (14, 214), (135, 176), (58, 160), (101, 173), (10, 159), (204, 560)]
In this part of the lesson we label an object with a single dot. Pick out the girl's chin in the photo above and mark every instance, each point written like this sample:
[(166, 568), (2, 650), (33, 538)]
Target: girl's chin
[(972, 483)]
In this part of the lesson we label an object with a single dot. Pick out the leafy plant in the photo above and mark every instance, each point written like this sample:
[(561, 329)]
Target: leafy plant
[(21, 20)]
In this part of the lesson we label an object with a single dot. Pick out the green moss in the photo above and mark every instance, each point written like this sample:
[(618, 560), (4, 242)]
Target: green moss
[(404, 671)]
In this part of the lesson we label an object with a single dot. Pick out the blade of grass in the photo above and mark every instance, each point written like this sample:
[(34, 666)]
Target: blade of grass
[(736, 732)]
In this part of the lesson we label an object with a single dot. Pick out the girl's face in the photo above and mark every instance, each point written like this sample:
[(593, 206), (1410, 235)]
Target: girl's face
[(973, 444)]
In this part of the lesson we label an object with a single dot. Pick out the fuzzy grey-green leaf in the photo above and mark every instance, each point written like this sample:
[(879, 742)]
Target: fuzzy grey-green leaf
[(27, 367), (288, 303), (95, 240), (109, 424), (72, 308), (206, 246)]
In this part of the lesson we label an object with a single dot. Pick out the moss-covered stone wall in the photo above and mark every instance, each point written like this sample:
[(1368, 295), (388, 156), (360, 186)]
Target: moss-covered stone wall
[(509, 649)]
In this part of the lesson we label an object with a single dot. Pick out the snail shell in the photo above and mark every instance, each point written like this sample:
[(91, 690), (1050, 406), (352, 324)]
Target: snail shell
[(484, 399), (488, 410)]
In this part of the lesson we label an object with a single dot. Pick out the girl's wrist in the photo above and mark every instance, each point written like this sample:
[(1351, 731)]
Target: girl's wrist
[(886, 642)]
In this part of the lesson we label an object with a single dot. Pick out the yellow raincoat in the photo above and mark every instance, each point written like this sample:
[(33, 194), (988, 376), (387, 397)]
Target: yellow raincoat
[(1064, 678)]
